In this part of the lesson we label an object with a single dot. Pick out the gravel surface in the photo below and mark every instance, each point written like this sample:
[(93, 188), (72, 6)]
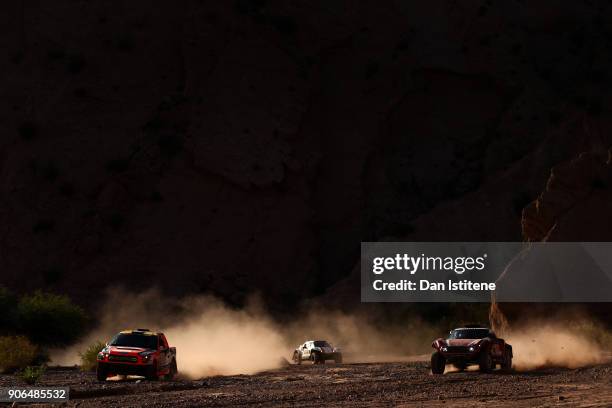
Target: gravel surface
[(372, 384)]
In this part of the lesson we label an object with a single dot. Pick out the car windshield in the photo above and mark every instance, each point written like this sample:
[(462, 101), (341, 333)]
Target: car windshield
[(134, 340), (469, 334), (321, 343)]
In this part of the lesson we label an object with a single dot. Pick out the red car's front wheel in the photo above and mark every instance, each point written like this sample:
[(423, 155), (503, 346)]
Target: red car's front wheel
[(438, 363), (152, 372), (485, 362), (101, 373)]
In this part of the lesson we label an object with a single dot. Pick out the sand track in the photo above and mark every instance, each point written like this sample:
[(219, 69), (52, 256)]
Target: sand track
[(372, 384)]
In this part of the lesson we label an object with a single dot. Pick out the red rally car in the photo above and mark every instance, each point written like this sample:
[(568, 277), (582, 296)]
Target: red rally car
[(137, 352), (471, 345)]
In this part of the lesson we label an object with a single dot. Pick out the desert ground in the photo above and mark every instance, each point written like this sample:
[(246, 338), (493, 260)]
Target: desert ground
[(405, 384)]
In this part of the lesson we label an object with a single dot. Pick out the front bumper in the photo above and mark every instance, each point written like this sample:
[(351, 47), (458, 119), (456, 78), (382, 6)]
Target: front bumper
[(330, 356), (460, 354), (126, 369)]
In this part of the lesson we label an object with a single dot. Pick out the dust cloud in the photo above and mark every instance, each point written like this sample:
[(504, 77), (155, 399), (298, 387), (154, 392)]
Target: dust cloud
[(211, 338), (362, 339), (549, 344), (570, 341), (214, 339)]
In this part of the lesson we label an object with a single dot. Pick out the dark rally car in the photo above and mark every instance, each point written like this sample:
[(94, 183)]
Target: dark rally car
[(470, 346)]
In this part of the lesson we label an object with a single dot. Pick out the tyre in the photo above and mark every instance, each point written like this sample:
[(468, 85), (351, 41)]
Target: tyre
[(485, 362), (152, 372), (317, 358), (101, 373), (297, 359), (506, 364), (338, 358), (437, 363), (173, 370), (460, 366)]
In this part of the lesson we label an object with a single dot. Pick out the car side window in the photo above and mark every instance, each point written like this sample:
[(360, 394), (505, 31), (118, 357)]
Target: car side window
[(163, 344)]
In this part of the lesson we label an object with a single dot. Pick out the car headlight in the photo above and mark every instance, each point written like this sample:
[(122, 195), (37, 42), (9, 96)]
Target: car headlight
[(472, 348), (102, 355), (146, 355), (444, 349)]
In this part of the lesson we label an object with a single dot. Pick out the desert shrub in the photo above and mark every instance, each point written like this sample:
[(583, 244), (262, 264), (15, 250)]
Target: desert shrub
[(89, 357), (31, 374), (16, 352), (50, 320)]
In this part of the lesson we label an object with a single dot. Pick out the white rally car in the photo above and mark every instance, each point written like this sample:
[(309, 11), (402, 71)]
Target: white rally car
[(317, 351)]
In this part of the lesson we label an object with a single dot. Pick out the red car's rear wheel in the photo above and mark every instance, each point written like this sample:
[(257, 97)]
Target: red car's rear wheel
[(173, 370)]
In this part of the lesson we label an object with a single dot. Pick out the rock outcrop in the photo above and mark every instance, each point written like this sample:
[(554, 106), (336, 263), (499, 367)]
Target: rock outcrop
[(249, 146), (576, 206)]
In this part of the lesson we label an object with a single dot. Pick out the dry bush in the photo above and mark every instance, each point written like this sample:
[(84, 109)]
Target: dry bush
[(16, 353), (89, 357)]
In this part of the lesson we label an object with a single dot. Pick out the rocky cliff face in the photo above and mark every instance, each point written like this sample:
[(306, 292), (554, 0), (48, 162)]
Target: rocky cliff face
[(236, 147), (576, 204)]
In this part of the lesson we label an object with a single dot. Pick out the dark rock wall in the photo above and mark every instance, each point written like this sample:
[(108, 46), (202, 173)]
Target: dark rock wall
[(250, 145)]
